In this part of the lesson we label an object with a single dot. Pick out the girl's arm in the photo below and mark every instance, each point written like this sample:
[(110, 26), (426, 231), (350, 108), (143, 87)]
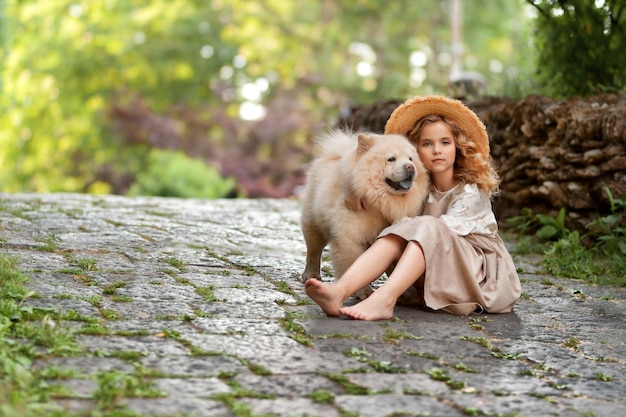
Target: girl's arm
[(351, 201)]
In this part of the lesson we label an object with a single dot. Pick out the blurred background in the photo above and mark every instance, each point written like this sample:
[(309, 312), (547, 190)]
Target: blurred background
[(220, 98)]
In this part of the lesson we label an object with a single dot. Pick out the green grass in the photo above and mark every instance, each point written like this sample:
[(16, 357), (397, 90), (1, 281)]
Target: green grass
[(176, 263), (350, 387), (298, 332), (114, 385), (110, 289), (569, 258), (206, 293), (85, 264), (49, 243), (597, 256), (392, 336), (322, 396), (26, 333)]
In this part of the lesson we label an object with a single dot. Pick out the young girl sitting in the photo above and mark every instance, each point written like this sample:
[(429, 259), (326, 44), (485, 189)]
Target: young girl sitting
[(452, 256)]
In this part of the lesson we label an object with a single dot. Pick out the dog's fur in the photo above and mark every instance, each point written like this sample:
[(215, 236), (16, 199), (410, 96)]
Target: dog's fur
[(384, 171)]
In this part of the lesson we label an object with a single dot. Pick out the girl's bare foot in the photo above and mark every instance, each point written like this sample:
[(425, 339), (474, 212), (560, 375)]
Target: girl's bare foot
[(369, 309), (324, 295)]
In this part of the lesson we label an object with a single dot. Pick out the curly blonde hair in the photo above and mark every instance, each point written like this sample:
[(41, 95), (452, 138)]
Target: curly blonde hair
[(470, 166)]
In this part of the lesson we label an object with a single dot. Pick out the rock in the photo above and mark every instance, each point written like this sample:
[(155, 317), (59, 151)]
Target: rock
[(575, 147)]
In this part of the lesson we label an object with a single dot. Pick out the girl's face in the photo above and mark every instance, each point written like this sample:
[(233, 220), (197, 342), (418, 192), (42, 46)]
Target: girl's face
[(437, 149)]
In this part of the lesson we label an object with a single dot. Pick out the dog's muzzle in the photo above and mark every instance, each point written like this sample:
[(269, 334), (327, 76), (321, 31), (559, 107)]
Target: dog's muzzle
[(404, 184)]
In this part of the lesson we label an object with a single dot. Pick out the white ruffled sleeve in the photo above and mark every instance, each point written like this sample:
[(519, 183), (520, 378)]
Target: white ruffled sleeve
[(471, 212)]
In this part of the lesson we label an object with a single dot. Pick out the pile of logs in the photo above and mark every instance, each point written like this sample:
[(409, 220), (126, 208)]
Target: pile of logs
[(550, 153)]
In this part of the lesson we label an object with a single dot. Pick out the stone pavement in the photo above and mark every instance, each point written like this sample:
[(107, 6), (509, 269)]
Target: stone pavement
[(203, 297)]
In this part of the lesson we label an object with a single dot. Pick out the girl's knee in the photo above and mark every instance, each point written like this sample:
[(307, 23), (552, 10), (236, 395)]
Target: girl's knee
[(393, 243)]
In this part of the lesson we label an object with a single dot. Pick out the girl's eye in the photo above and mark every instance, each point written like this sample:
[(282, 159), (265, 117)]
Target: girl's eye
[(391, 159)]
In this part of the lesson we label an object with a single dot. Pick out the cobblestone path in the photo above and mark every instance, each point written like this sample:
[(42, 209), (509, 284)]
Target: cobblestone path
[(201, 300)]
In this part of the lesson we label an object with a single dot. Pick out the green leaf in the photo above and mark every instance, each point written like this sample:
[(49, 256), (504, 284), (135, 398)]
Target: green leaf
[(547, 232)]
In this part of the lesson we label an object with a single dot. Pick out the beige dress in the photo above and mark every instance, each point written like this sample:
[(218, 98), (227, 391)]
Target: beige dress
[(468, 267)]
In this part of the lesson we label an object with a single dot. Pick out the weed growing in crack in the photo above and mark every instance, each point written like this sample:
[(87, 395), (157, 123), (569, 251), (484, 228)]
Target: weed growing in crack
[(572, 343), (464, 368), (258, 369), (50, 243), (176, 263), (424, 355), (481, 341), (392, 336), (438, 374), (111, 288), (360, 355), (114, 386), (229, 399), (93, 329), (109, 314), (322, 396), (299, 334), (602, 377), (71, 271), (206, 293), (283, 287), (84, 264), (386, 367), (350, 387), (26, 333)]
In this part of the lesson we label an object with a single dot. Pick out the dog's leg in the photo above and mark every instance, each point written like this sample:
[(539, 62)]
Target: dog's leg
[(315, 243), (343, 253)]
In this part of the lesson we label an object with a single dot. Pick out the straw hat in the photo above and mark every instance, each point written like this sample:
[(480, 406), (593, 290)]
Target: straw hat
[(404, 117)]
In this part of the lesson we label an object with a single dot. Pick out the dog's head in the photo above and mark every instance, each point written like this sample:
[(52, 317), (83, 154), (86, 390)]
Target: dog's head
[(389, 162)]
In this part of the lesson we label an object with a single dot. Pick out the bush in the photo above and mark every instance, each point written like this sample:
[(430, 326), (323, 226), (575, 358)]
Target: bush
[(173, 174)]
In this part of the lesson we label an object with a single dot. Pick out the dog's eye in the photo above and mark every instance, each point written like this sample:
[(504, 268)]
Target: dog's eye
[(391, 159)]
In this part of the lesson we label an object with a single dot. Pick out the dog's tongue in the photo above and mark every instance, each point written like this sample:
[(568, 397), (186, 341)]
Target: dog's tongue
[(406, 184)]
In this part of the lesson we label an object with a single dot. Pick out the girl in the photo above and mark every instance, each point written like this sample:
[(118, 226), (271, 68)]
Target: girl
[(451, 257)]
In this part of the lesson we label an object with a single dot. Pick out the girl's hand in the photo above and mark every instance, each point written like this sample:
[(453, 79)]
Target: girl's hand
[(354, 203), (403, 219)]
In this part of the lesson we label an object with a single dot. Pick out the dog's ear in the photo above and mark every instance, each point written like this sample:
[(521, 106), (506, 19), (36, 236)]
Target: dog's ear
[(365, 142)]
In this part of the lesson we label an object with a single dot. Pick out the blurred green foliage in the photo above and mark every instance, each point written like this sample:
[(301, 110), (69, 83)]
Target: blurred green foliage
[(580, 46), (65, 62), (173, 174), (195, 66)]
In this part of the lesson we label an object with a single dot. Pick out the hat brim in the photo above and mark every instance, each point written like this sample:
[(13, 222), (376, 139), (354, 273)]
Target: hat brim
[(404, 117)]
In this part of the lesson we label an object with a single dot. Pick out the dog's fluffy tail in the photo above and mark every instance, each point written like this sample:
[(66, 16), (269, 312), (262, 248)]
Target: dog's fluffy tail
[(336, 142)]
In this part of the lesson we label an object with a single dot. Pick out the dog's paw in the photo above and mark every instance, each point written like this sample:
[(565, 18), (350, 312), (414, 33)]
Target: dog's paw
[(411, 297), (364, 292), (306, 276)]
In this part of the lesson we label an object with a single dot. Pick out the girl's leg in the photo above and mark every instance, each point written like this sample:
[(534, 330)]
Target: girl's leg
[(368, 267), (379, 305)]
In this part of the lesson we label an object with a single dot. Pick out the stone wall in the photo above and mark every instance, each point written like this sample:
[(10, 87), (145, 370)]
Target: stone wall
[(550, 153), (557, 153)]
